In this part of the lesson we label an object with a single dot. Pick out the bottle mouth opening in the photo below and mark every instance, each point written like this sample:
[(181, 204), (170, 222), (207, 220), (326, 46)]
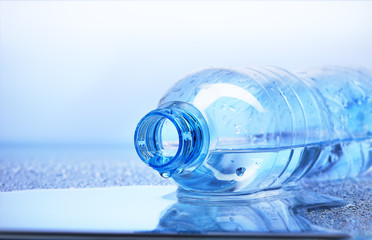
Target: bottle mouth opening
[(158, 139), (172, 138)]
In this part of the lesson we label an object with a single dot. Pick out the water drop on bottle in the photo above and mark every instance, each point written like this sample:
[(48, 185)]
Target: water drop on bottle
[(165, 174), (240, 171)]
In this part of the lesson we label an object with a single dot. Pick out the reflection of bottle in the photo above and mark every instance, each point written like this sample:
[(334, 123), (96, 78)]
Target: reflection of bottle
[(278, 213), (225, 130)]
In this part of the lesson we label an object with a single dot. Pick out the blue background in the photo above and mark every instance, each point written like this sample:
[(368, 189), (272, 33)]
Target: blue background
[(85, 72)]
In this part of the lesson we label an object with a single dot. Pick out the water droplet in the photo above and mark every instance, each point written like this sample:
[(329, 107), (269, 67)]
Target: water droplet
[(239, 228), (232, 161), (165, 174), (238, 128), (345, 103), (231, 108), (176, 89), (232, 219), (240, 171)]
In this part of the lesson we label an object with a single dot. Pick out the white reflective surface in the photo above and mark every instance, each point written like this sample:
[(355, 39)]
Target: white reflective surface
[(157, 210), (114, 209)]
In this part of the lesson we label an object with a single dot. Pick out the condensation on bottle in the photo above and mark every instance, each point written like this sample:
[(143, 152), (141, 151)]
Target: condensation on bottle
[(234, 131)]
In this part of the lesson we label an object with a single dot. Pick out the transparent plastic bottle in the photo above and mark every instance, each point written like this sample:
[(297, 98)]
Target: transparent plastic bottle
[(233, 131)]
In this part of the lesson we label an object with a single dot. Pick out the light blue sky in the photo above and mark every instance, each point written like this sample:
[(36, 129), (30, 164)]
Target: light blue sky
[(86, 71)]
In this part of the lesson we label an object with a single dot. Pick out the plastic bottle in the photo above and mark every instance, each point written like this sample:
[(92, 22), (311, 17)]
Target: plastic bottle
[(233, 131)]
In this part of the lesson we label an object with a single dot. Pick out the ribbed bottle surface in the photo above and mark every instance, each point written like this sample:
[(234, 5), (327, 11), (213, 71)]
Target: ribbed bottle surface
[(267, 127)]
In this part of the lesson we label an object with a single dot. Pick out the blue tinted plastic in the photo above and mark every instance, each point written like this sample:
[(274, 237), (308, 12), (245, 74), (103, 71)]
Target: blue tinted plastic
[(245, 130)]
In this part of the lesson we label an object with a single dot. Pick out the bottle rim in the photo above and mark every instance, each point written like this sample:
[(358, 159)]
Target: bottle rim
[(147, 135), (193, 138)]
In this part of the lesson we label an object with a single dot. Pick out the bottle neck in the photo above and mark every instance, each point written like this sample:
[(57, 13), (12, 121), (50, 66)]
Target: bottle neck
[(172, 139)]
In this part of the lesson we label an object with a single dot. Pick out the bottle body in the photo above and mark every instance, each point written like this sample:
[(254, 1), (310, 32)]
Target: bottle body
[(265, 127)]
